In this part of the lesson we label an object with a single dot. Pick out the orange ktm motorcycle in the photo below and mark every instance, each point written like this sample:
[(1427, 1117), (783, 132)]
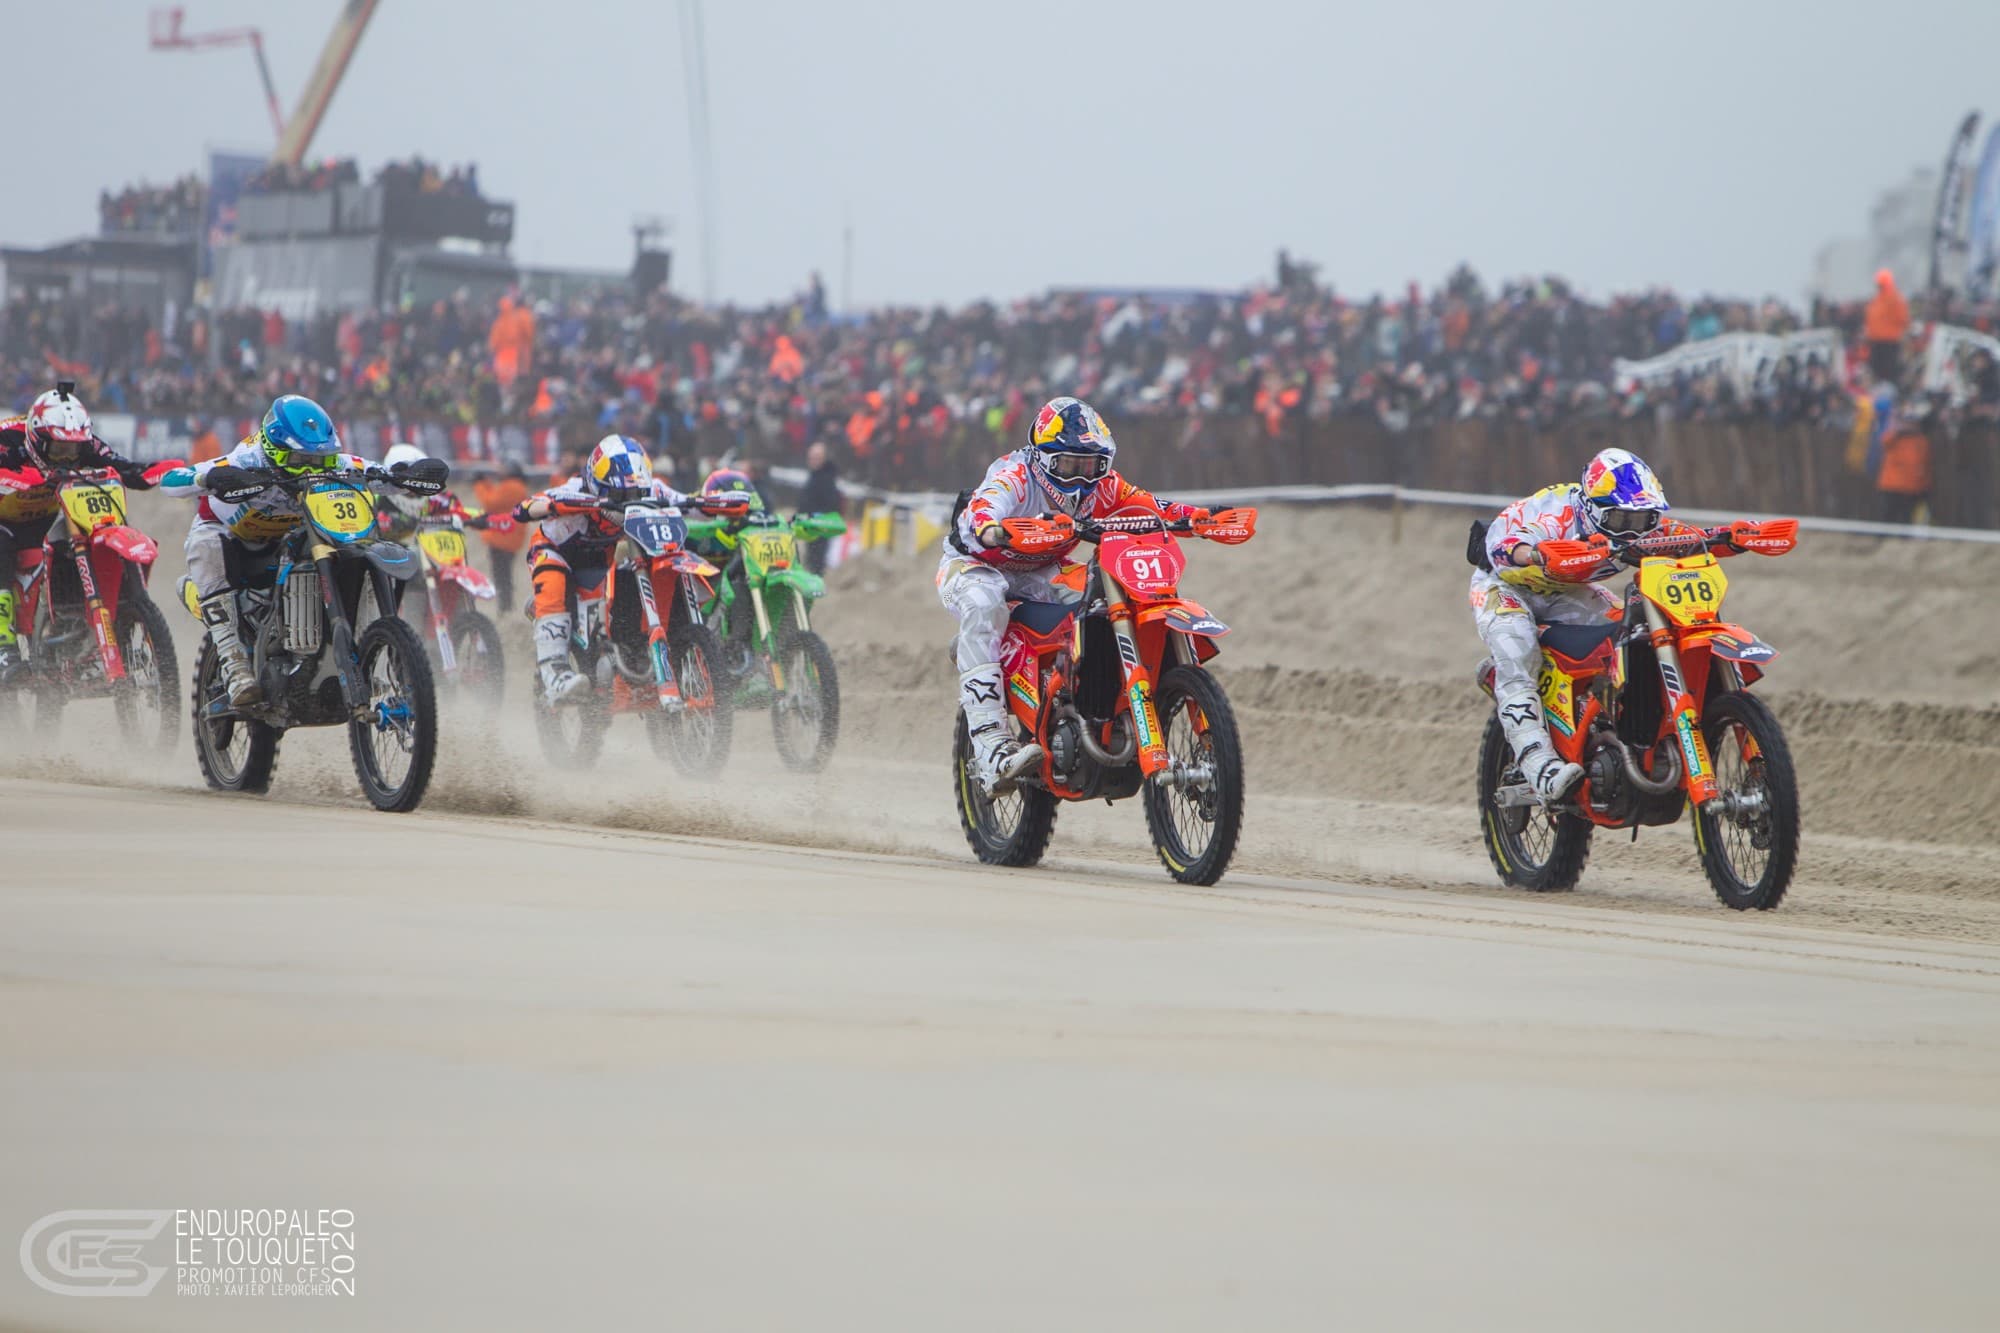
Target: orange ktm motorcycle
[(1655, 706), (1113, 689)]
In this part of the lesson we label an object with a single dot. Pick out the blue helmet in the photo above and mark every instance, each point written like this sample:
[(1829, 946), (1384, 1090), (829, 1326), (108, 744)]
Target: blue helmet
[(1070, 449), (298, 436)]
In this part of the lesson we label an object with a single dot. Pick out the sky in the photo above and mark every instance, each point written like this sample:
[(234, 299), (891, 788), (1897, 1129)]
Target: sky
[(981, 150)]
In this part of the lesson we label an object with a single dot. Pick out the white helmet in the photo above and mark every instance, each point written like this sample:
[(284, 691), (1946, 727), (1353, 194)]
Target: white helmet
[(402, 501), (57, 427)]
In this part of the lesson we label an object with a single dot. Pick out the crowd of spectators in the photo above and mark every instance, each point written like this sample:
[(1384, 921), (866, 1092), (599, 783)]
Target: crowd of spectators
[(174, 209), (310, 177), (415, 174), (774, 380)]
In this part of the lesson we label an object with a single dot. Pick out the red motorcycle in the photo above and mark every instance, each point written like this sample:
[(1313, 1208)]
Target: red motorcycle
[(1113, 689), (89, 627)]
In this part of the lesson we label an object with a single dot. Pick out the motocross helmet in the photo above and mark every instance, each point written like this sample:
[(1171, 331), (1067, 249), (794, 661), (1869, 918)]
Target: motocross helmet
[(618, 469), (1621, 497), (727, 481), (1070, 450), (298, 437), (58, 429), (402, 501)]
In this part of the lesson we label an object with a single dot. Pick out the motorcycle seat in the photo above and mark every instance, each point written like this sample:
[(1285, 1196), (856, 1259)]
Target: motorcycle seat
[(1578, 642), (1042, 617)]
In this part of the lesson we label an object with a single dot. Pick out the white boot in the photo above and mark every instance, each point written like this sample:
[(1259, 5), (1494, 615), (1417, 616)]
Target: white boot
[(998, 755), (559, 680), (1546, 771), (219, 614)]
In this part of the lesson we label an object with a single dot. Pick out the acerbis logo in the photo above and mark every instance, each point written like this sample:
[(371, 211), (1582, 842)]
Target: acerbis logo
[(93, 1252)]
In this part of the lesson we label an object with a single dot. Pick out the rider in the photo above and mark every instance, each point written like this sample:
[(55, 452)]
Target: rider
[(1065, 467), (1618, 499), (718, 542), (574, 542), (296, 440), (397, 512), (55, 433)]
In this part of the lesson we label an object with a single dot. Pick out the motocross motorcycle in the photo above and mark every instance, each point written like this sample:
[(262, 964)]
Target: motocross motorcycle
[(1655, 706), (89, 627), (778, 661), (299, 605), (1115, 691), (640, 639), (465, 643)]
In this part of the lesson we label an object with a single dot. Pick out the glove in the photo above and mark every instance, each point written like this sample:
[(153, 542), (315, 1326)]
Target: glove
[(1034, 536), (1231, 527), (146, 479), (1573, 562)]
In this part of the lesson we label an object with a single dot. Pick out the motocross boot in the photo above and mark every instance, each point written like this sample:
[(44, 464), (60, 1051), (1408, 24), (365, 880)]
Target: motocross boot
[(1528, 736), (559, 681), (999, 758), (219, 614)]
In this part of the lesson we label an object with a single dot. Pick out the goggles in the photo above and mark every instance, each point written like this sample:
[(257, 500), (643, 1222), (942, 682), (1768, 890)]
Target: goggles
[(1628, 522), (1076, 467)]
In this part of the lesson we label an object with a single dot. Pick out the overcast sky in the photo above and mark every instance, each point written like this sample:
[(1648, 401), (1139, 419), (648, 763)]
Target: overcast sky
[(1000, 148)]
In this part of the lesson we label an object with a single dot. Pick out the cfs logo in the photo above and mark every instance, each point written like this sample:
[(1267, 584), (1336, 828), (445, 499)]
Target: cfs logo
[(94, 1252)]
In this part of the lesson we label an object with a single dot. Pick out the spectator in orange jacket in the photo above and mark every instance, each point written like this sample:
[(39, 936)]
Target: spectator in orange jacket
[(512, 340), (497, 495), (1904, 478), (1887, 320)]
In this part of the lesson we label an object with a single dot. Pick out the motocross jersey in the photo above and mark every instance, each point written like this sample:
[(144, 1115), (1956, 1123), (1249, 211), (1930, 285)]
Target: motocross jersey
[(1554, 513), (265, 516), (26, 494), (1010, 490), (588, 537)]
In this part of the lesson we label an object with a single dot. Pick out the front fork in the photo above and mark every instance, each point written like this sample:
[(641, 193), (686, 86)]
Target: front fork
[(96, 611), (1699, 778), (440, 616), (1138, 682), (656, 635)]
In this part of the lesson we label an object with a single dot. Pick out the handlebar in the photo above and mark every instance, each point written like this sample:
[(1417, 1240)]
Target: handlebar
[(1029, 535), (1566, 559), (425, 477)]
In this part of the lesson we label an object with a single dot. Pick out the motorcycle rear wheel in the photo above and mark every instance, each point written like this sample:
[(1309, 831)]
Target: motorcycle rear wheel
[(394, 762), (1537, 848), (1743, 874), (1195, 828), (235, 753), (697, 738), (572, 733), (1011, 829), (805, 715), (145, 704)]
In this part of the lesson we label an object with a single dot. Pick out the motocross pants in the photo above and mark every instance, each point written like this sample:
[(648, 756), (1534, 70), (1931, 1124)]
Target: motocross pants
[(978, 594), (551, 571), (14, 537), (1508, 619)]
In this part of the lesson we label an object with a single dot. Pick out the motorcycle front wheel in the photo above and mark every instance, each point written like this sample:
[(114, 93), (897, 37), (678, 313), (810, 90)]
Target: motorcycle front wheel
[(805, 714), (481, 675), (1748, 835), (395, 744), (145, 703), (235, 753), (696, 738), (1196, 814), (1008, 829)]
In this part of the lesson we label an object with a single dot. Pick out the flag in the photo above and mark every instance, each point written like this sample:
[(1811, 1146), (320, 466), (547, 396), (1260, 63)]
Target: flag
[(1948, 232), (1983, 233)]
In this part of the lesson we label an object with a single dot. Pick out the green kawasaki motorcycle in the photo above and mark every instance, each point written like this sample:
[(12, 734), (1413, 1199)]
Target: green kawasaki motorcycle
[(760, 608)]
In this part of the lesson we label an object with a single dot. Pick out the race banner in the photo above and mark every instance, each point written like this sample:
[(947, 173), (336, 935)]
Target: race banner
[(1983, 232), (1948, 231), (1947, 359)]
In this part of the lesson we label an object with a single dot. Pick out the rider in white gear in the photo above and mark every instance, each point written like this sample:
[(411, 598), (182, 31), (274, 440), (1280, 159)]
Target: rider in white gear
[(1513, 596)]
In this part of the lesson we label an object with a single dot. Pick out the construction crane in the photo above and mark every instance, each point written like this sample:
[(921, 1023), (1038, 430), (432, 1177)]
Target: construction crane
[(165, 30), (294, 135)]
